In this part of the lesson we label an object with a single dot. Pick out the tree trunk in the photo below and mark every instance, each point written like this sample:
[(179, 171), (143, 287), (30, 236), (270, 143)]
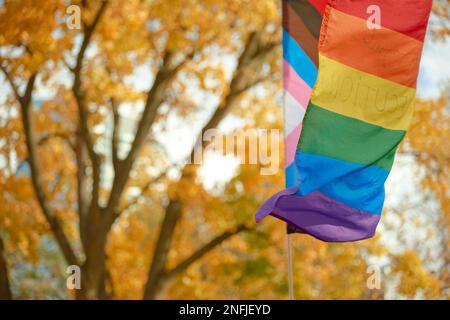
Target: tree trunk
[(93, 275), (5, 291), (93, 271)]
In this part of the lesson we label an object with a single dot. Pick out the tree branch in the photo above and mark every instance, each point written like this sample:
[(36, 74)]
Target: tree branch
[(55, 225), (115, 135), (182, 266), (159, 258), (82, 194), (254, 54), (11, 83), (144, 189), (173, 211), (27, 122), (155, 98), (61, 135), (82, 108)]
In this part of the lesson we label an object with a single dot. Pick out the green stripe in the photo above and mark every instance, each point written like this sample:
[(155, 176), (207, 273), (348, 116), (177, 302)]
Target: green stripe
[(336, 136)]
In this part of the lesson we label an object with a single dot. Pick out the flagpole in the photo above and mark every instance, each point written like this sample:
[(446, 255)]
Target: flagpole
[(290, 266), (289, 229)]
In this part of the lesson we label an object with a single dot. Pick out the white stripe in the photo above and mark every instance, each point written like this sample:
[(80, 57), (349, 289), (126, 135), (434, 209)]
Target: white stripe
[(293, 113)]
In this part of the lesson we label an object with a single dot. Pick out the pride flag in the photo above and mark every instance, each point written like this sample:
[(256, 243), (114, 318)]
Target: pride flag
[(357, 112)]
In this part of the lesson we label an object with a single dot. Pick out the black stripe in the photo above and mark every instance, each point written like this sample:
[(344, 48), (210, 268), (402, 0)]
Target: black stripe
[(311, 18)]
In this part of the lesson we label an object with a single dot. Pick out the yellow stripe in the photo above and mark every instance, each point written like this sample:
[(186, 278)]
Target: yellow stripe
[(360, 95)]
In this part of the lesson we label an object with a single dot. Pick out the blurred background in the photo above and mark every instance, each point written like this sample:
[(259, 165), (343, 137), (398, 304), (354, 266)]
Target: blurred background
[(101, 102)]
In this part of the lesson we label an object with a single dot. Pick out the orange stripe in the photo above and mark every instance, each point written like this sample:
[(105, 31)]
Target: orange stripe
[(381, 52)]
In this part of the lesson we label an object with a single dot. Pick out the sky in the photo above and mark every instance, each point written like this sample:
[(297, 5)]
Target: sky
[(434, 69)]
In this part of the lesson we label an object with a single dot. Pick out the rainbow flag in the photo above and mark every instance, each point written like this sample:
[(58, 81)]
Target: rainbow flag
[(357, 113)]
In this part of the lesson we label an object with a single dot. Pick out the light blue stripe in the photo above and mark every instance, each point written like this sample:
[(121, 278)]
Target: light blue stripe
[(298, 60), (361, 187)]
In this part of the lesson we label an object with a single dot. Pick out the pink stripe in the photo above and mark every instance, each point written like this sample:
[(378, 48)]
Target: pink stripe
[(290, 145), (295, 85)]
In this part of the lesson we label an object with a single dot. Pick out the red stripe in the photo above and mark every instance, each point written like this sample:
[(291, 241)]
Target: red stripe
[(319, 5), (409, 17)]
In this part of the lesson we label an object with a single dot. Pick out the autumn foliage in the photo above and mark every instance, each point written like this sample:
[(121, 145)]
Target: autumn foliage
[(88, 175)]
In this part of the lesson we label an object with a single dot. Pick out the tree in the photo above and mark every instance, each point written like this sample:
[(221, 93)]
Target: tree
[(176, 43), (426, 142), (82, 160)]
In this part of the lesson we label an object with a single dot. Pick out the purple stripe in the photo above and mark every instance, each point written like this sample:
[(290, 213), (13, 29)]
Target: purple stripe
[(320, 216)]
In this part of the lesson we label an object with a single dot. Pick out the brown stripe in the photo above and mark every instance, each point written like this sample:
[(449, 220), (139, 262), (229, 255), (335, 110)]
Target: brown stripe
[(310, 16), (297, 29)]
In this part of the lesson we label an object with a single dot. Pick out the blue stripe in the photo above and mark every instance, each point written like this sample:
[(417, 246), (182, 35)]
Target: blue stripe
[(361, 187), (298, 60), (291, 175)]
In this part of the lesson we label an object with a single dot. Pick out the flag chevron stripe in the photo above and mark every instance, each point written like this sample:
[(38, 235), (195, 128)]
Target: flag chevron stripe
[(319, 5), (291, 173), (383, 53), (293, 111), (290, 144), (307, 39), (409, 17), (295, 85), (362, 96), (294, 25), (309, 14), (334, 135), (356, 185), (300, 44), (298, 60)]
